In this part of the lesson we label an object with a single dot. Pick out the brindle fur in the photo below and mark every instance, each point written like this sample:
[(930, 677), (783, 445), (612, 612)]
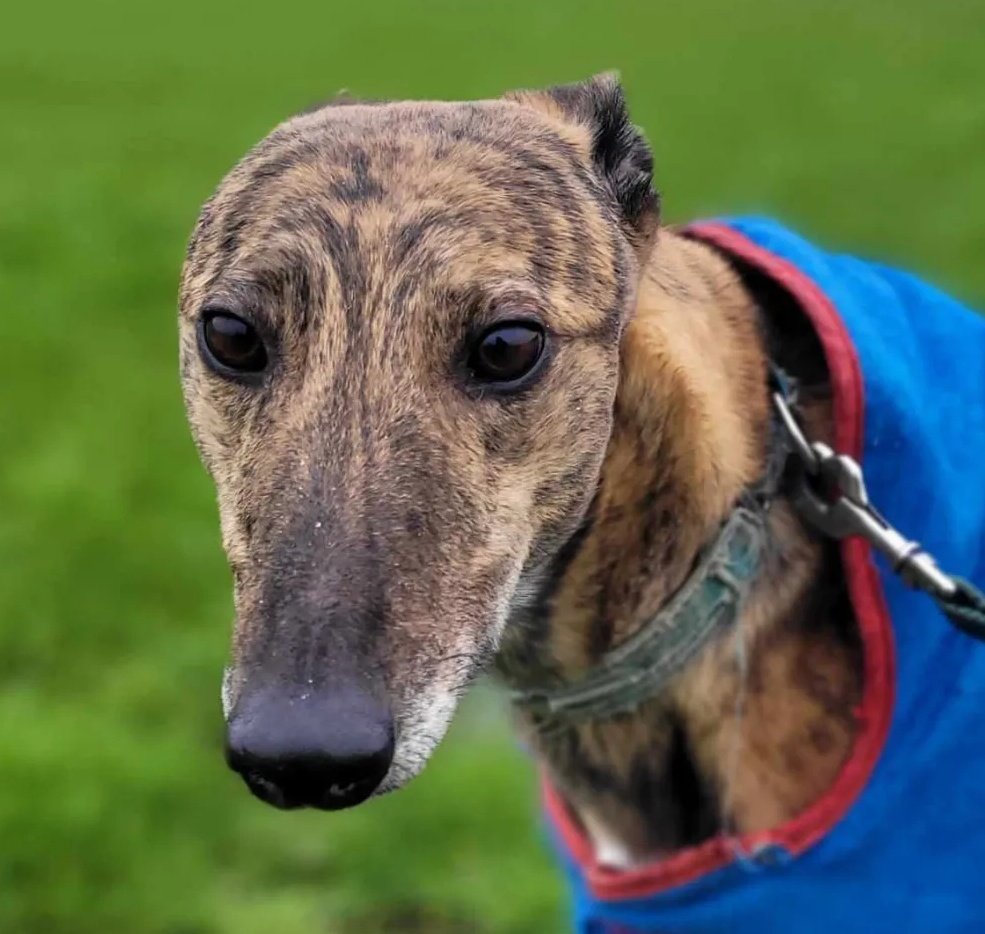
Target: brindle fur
[(388, 521)]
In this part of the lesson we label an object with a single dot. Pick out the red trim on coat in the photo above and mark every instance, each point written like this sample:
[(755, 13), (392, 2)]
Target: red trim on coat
[(864, 588)]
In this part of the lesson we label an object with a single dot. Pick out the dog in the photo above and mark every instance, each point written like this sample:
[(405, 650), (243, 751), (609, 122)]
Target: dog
[(468, 404)]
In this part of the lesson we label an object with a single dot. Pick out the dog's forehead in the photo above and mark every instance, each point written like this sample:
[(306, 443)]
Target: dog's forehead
[(413, 195), (418, 141)]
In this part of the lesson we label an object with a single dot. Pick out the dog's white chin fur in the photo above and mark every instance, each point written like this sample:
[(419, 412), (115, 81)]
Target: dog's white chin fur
[(227, 692), (423, 724), (425, 720)]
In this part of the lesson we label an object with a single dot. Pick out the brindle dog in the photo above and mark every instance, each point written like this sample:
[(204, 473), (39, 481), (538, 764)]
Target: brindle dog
[(467, 403)]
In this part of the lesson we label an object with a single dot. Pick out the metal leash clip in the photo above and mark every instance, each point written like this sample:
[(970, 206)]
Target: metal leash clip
[(830, 494)]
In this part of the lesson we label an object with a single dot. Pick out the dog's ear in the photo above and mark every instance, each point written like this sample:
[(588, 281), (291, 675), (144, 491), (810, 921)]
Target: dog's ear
[(619, 151)]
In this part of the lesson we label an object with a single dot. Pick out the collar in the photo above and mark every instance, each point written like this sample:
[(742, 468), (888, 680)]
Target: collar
[(706, 604)]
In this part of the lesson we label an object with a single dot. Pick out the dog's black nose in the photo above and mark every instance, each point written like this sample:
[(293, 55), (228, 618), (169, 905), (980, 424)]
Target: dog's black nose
[(321, 750)]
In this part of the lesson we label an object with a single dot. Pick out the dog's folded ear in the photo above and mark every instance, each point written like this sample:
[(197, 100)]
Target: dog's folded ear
[(619, 151)]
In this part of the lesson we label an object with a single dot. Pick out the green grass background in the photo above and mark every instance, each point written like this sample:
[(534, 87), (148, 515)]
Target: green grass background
[(861, 120)]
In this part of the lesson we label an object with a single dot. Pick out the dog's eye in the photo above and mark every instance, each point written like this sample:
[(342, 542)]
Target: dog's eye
[(233, 343), (507, 352)]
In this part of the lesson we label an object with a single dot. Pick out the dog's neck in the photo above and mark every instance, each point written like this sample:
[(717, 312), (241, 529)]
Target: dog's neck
[(725, 747)]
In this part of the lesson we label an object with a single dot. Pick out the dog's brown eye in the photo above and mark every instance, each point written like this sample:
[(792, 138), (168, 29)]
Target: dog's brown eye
[(507, 352), (233, 343)]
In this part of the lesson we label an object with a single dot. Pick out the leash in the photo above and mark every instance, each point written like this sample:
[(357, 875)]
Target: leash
[(828, 491)]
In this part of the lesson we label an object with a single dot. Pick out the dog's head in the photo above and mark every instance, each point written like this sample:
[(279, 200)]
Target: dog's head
[(400, 330)]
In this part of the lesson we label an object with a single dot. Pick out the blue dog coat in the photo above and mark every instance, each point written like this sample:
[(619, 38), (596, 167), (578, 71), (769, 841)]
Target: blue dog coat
[(897, 844)]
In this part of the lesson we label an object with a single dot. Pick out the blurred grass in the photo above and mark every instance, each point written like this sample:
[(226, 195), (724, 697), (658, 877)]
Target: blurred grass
[(863, 121)]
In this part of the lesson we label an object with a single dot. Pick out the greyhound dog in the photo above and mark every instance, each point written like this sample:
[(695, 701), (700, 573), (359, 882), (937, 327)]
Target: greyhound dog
[(468, 404)]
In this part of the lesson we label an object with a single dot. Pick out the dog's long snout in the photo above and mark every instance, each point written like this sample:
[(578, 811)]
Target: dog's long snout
[(323, 750)]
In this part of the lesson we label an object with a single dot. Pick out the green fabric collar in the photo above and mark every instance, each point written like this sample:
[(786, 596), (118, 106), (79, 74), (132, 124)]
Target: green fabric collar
[(709, 601)]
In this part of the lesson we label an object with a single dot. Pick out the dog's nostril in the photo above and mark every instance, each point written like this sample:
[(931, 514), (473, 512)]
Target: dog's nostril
[(320, 752), (265, 790)]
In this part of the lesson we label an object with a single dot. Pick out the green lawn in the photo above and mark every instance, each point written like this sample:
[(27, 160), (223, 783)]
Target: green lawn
[(863, 121)]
